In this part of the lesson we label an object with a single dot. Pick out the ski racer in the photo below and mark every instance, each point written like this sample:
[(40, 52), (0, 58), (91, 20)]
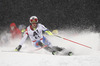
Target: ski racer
[(34, 31), (22, 29), (15, 32)]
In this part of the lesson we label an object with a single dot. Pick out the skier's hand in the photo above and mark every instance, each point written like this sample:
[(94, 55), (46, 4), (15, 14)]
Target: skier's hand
[(18, 48), (55, 32)]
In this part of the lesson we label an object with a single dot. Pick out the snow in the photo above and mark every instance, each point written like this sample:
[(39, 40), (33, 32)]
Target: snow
[(83, 56), (25, 59)]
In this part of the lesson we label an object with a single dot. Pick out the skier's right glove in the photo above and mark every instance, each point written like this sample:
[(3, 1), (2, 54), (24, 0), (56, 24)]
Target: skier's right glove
[(18, 48)]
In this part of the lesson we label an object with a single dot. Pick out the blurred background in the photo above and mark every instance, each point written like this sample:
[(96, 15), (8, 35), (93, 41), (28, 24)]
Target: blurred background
[(54, 14)]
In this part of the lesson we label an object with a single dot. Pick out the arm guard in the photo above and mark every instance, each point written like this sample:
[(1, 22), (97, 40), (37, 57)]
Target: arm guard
[(49, 33)]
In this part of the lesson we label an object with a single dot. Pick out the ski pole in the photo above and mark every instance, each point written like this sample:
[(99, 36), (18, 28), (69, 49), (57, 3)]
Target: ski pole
[(73, 42)]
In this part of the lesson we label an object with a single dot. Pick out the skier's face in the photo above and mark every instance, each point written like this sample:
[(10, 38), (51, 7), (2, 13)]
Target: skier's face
[(34, 25), (12, 27)]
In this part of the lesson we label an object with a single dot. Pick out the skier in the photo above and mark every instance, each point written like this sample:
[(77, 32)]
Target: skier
[(34, 31), (22, 29), (15, 32)]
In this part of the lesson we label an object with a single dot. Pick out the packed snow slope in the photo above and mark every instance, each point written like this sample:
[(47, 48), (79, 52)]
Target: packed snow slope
[(30, 56)]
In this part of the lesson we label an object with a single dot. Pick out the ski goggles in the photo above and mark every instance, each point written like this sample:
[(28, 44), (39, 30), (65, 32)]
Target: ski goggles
[(33, 20)]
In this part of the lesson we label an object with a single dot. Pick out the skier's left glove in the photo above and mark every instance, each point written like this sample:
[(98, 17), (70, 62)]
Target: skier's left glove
[(49, 33), (18, 48)]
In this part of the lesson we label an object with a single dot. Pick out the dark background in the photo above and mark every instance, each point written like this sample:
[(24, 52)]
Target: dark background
[(54, 14)]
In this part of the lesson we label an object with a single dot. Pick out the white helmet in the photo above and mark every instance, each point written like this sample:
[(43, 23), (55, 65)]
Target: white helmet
[(33, 18)]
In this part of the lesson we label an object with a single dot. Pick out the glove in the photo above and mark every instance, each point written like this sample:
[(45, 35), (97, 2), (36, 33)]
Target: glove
[(55, 31), (18, 48)]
